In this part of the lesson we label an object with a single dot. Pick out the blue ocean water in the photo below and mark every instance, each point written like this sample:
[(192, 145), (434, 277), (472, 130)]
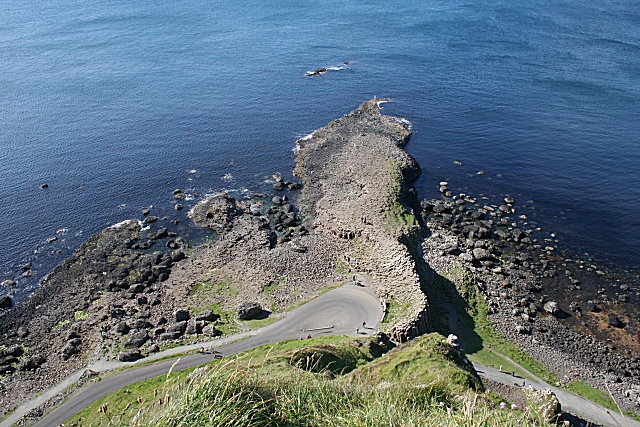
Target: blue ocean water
[(114, 104)]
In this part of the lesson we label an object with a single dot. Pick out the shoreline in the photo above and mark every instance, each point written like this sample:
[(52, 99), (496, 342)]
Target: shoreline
[(357, 213)]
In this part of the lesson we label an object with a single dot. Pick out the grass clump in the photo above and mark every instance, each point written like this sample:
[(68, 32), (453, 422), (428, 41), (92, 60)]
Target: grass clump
[(262, 388), (396, 310), (81, 315)]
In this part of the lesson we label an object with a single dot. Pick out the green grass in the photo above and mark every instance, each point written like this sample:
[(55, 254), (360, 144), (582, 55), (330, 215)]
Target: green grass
[(81, 315), (228, 325), (275, 386), (459, 291), (61, 324), (395, 312), (269, 289), (395, 215), (259, 323), (214, 287)]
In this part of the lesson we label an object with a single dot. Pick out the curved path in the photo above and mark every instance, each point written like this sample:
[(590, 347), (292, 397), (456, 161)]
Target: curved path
[(569, 402), (338, 312)]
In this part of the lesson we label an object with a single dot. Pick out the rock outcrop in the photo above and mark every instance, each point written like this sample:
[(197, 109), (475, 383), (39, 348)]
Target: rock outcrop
[(357, 186)]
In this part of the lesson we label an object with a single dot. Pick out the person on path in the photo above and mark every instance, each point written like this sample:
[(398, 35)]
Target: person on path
[(364, 325), (357, 330)]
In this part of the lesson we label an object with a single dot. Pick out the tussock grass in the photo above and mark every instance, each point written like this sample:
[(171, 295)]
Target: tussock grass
[(286, 386)]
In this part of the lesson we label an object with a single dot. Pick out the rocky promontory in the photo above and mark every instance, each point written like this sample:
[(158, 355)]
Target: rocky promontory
[(137, 287), (357, 186)]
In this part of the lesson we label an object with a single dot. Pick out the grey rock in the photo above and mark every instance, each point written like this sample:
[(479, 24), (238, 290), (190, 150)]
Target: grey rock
[(8, 283), (207, 316), (141, 324), (137, 339), (69, 350), (129, 355), (22, 332), (150, 219), (614, 321), (481, 254), (5, 302), (181, 315), (551, 307), (592, 306), (123, 328), (249, 310), (211, 331), (178, 327), (193, 327)]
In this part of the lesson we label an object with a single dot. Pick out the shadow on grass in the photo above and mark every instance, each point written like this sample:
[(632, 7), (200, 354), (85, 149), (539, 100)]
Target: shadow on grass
[(451, 312)]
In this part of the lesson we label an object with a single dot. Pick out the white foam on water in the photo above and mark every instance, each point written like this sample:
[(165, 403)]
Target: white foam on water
[(123, 223)]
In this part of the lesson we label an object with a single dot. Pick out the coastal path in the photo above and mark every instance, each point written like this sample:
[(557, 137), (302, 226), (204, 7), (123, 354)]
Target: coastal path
[(338, 312), (569, 402)]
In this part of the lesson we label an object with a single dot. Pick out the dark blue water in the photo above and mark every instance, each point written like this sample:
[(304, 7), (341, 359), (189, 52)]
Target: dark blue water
[(115, 103)]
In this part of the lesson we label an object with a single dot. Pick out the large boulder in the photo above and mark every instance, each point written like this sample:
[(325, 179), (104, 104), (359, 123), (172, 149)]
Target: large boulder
[(193, 327), (178, 328), (181, 315), (5, 302), (615, 321), (129, 355), (70, 349), (551, 307), (481, 254), (211, 331), (137, 339), (249, 310), (216, 212), (207, 316)]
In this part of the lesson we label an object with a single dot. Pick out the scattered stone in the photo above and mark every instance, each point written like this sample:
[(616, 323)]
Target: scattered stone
[(122, 328), (32, 363), (44, 186), (8, 283), (178, 206)]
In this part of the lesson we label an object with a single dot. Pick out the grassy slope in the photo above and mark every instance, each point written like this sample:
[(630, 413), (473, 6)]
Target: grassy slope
[(459, 307), (328, 381)]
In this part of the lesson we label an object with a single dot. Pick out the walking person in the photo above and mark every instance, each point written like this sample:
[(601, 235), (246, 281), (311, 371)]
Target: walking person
[(357, 331)]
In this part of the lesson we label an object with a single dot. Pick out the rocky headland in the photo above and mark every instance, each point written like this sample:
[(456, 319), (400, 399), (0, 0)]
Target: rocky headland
[(136, 288)]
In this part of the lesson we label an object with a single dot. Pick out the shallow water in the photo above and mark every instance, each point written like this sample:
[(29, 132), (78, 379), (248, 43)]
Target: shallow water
[(115, 104)]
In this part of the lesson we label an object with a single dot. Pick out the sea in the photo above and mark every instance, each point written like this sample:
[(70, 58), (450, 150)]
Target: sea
[(114, 104)]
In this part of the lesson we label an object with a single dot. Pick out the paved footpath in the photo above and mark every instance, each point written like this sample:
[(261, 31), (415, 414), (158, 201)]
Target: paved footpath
[(338, 312), (568, 401)]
